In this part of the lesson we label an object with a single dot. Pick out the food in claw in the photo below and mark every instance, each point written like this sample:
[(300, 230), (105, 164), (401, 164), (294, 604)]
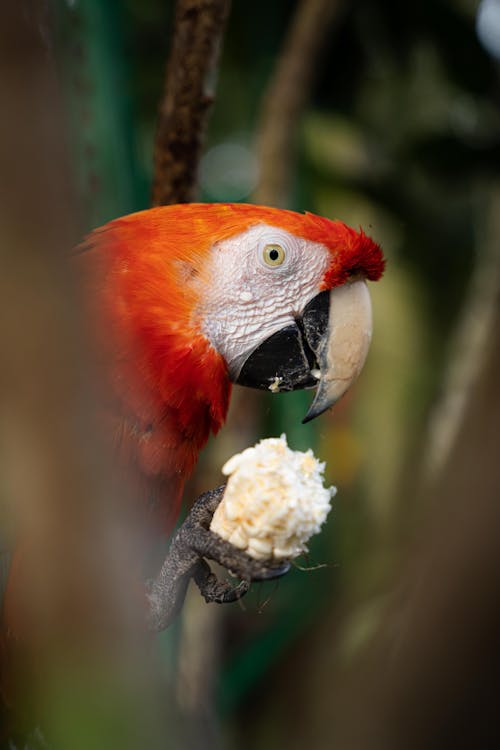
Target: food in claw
[(274, 500)]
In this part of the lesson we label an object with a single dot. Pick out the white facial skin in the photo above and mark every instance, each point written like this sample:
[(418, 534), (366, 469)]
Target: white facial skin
[(248, 299)]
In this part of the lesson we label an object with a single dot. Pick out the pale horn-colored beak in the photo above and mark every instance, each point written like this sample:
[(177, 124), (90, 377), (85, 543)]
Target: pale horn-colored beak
[(343, 348)]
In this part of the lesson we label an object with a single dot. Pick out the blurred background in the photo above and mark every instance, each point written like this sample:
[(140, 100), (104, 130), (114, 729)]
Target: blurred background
[(395, 127)]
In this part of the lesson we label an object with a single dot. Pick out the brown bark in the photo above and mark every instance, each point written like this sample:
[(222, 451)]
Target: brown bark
[(188, 98)]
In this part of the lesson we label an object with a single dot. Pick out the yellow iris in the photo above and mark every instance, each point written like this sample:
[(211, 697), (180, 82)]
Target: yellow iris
[(273, 254)]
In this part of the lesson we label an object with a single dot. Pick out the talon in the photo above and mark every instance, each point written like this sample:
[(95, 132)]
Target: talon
[(269, 572), (185, 560), (213, 590)]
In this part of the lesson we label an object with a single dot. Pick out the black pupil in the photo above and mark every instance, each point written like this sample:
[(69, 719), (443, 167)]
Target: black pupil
[(274, 254)]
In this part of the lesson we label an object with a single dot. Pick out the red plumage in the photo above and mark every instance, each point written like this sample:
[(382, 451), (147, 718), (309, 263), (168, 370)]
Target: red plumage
[(167, 386), (170, 386)]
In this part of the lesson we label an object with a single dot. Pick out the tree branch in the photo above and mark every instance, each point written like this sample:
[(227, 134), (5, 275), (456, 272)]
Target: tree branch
[(469, 346), (187, 99), (288, 94)]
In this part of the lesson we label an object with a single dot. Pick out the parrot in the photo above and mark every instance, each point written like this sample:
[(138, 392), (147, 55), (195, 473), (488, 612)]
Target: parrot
[(186, 300), (192, 298)]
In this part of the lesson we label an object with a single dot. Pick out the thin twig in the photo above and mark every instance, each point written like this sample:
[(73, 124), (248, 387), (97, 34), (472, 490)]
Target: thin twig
[(288, 94), (187, 99), (475, 329)]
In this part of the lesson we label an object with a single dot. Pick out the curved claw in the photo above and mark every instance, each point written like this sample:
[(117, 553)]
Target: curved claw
[(270, 572), (213, 590), (192, 542)]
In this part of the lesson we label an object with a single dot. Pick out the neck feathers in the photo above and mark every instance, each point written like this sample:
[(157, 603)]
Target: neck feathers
[(169, 387)]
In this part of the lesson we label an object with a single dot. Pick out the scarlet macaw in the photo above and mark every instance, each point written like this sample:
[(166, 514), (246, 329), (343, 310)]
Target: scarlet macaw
[(186, 300)]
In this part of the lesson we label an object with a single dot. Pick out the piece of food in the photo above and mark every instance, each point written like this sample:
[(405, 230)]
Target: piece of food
[(274, 500)]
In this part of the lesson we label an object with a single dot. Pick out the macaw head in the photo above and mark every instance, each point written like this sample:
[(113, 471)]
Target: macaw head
[(264, 297), (284, 300)]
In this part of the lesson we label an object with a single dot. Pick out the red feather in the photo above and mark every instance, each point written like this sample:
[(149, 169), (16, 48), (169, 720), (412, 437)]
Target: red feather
[(170, 386)]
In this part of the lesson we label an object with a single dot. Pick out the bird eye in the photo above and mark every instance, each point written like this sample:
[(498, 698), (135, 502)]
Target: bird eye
[(273, 255)]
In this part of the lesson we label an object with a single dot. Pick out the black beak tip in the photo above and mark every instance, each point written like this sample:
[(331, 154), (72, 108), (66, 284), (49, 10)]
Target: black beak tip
[(319, 405), (313, 413)]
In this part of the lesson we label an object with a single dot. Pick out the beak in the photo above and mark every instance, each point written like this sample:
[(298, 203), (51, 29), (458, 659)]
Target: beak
[(342, 350), (325, 347)]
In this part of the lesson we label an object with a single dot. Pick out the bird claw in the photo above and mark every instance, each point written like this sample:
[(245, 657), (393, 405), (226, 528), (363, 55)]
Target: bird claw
[(196, 535), (213, 590), (191, 544)]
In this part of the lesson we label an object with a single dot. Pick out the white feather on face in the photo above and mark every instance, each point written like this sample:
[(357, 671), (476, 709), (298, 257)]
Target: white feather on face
[(252, 289)]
